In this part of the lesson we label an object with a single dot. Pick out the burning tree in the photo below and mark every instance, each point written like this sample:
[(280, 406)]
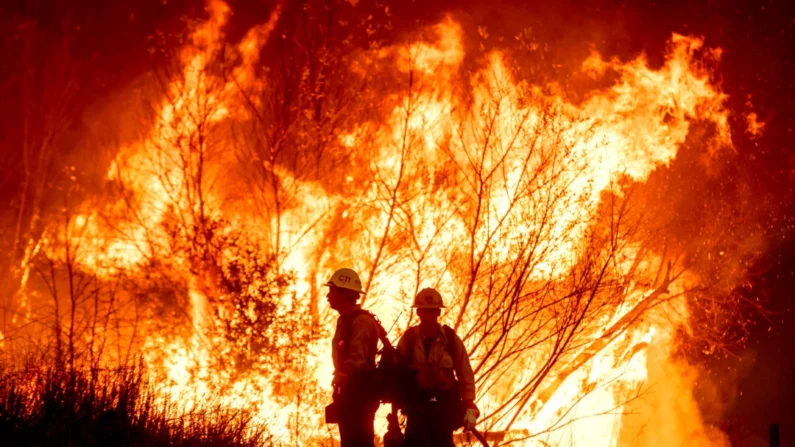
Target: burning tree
[(268, 161)]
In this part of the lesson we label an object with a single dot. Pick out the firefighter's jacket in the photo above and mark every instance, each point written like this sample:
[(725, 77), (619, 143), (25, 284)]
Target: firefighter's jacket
[(354, 352), (438, 369)]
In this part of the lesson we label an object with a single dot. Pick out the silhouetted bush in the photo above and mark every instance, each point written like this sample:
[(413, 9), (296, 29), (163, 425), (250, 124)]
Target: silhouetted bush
[(51, 407)]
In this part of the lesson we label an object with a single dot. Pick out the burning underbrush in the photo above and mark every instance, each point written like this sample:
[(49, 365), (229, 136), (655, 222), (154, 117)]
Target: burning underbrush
[(267, 161)]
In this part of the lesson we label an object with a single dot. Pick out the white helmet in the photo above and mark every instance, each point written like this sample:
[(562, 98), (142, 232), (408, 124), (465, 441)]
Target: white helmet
[(346, 279), (428, 298)]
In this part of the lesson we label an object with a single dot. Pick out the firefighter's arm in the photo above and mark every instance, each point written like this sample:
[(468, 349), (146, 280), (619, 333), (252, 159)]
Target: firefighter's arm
[(362, 345), (466, 382), (463, 371), (405, 354), (404, 351)]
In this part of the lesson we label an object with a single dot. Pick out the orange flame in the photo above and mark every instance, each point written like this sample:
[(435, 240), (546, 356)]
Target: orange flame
[(426, 159)]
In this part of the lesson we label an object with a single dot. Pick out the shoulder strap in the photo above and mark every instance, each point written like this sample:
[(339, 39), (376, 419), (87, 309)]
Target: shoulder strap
[(382, 336), (449, 333)]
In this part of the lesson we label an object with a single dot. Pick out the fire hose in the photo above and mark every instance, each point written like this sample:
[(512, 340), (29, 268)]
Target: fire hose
[(479, 436)]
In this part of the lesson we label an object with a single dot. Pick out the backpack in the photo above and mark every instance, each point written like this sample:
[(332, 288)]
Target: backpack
[(383, 382)]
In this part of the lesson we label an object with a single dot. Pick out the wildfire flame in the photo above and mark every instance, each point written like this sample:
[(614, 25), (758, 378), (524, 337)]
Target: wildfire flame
[(462, 171)]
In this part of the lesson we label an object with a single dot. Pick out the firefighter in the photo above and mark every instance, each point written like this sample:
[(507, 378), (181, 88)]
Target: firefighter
[(443, 394), (353, 351)]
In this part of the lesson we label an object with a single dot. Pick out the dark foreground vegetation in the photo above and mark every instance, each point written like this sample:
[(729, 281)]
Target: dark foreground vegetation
[(53, 407)]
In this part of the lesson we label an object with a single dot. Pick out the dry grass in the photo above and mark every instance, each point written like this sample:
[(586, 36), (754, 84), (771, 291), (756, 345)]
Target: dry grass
[(52, 407)]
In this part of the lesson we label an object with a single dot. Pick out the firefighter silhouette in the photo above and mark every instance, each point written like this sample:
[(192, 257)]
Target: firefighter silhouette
[(442, 397)]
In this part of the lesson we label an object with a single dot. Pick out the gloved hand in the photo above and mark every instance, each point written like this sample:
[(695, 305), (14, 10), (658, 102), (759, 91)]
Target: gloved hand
[(470, 419), (471, 415)]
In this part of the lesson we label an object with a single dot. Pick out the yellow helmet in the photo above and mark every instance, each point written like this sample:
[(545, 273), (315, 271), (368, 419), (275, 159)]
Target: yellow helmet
[(428, 298), (345, 278)]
